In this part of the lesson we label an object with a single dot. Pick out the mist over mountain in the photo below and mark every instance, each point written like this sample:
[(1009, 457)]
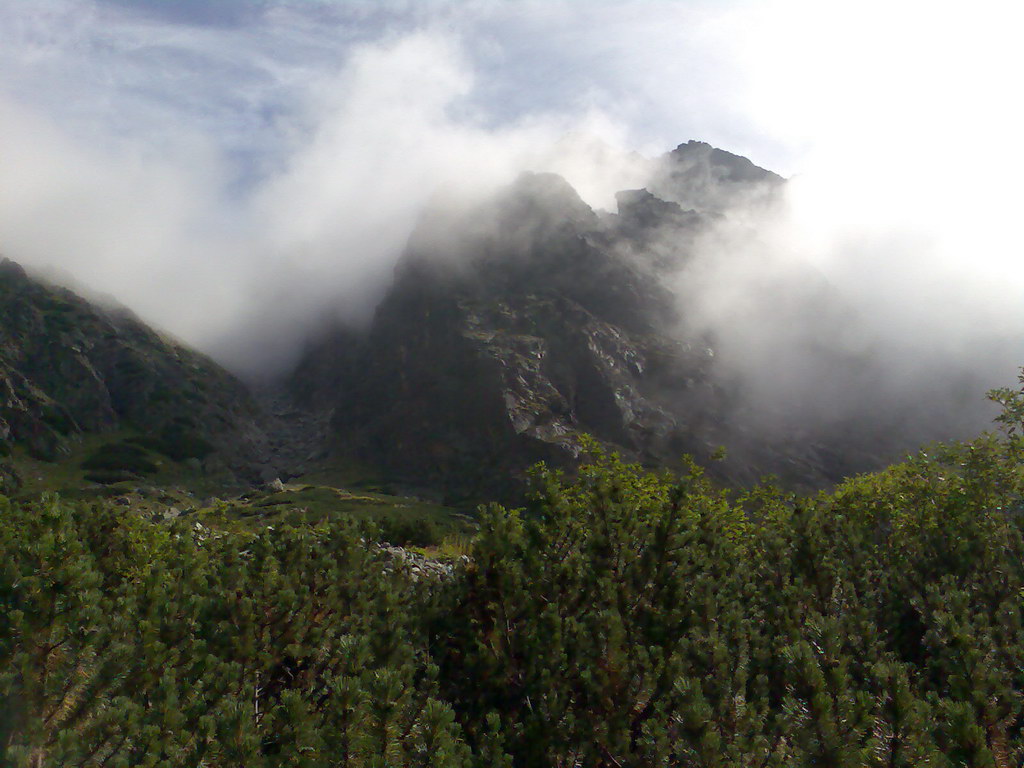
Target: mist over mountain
[(518, 325), (239, 175), (258, 179), (691, 313)]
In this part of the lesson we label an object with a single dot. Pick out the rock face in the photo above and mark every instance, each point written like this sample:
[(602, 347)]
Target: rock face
[(517, 327), (496, 352), (69, 367)]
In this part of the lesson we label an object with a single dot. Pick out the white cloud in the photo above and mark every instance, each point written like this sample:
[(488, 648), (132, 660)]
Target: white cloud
[(128, 224)]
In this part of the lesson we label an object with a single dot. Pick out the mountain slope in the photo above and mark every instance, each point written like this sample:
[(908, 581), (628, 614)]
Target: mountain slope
[(69, 368)]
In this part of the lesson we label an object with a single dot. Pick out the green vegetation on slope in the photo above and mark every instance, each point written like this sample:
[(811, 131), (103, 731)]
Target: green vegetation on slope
[(635, 620), (399, 520), (128, 469), (119, 460), (70, 370), (622, 619)]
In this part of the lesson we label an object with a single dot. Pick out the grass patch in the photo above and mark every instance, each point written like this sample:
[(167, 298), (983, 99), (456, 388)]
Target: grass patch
[(399, 520), (110, 476)]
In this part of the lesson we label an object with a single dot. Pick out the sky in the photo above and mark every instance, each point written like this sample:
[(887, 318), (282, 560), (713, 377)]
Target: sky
[(231, 168)]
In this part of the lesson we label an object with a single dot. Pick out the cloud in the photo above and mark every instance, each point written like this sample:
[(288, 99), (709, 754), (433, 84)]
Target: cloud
[(127, 224), (903, 201), (823, 322)]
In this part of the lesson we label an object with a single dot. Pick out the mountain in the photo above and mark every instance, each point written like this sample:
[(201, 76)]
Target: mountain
[(519, 326), (518, 329), (73, 372)]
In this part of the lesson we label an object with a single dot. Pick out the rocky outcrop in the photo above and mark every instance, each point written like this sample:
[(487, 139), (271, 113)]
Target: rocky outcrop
[(417, 567), (69, 367), (499, 347)]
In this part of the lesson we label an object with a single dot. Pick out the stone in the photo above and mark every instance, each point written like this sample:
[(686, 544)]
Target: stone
[(274, 486)]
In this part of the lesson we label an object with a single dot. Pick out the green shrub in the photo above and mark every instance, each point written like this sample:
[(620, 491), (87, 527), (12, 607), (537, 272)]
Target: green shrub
[(130, 643), (58, 418), (410, 532), (131, 368), (622, 619), (628, 618), (182, 442)]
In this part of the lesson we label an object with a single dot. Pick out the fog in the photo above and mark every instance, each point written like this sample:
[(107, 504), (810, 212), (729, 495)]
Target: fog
[(240, 180), (819, 323)]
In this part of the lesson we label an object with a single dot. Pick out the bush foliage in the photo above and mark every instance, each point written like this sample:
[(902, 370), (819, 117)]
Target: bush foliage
[(622, 619)]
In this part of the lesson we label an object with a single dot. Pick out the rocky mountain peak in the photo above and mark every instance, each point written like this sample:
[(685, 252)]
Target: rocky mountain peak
[(704, 178), (511, 231), (654, 227), (543, 200), (517, 326), (11, 270), (727, 166)]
